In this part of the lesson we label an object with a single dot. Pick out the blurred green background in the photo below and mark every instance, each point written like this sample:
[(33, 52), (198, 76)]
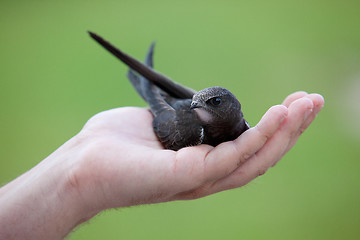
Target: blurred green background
[(53, 78)]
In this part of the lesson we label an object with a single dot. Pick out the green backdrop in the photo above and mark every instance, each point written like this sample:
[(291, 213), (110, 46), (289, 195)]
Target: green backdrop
[(53, 78)]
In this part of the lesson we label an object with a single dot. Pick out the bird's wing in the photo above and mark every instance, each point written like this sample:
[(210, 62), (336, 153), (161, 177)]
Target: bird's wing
[(137, 80), (169, 86), (151, 93)]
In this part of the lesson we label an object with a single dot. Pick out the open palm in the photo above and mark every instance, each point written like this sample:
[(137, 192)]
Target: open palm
[(125, 164)]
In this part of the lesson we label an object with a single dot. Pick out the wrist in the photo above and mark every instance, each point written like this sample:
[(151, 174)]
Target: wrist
[(44, 203)]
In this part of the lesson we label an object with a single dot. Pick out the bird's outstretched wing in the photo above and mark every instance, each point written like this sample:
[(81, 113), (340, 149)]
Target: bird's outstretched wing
[(152, 94)]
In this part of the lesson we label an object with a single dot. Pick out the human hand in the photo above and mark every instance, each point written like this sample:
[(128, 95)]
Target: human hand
[(124, 164), (116, 161)]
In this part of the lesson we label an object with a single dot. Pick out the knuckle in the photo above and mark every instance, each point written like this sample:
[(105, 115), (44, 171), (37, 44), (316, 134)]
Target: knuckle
[(243, 156), (302, 130), (194, 193), (262, 171), (263, 134)]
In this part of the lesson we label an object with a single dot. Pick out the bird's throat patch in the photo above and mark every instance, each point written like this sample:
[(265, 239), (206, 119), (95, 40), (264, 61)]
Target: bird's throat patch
[(203, 115)]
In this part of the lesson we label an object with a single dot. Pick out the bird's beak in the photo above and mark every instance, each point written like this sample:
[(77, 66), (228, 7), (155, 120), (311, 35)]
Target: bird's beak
[(195, 105)]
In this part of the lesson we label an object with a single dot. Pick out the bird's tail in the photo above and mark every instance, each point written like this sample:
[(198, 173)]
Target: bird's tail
[(171, 87)]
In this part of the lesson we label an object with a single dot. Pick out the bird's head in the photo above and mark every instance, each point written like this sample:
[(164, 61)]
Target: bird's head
[(216, 105)]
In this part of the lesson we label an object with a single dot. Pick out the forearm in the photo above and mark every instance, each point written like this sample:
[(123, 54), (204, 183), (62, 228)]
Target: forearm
[(42, 203)]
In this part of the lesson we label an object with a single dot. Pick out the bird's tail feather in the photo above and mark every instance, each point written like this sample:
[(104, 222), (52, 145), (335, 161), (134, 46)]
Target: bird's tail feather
[(171, 87)]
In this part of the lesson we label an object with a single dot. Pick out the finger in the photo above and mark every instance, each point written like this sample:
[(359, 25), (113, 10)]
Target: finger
[(318, 102), (293, 97), (299, 112), (271, 152), (226, 157)]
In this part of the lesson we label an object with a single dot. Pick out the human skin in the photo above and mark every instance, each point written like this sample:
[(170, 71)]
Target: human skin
[(117, 161)]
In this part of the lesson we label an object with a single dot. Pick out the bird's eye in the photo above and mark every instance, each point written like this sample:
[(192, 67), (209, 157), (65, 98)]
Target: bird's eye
[(215, 101)]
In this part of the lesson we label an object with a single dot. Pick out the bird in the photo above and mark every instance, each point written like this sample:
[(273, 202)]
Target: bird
[(183, 117)]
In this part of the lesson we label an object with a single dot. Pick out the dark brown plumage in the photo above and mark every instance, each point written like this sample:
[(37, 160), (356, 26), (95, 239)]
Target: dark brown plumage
[(182, 116)]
